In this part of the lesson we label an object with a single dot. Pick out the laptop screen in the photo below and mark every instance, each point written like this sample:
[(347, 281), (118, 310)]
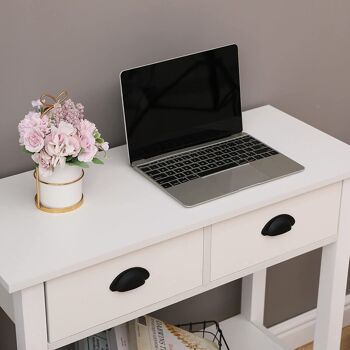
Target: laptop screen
[(181, 102)]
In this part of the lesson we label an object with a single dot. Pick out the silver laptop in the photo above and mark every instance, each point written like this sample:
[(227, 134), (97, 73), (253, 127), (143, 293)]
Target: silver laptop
[(183, 123)]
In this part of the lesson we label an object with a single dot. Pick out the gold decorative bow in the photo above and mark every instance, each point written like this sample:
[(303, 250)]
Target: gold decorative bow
[(61, 97)]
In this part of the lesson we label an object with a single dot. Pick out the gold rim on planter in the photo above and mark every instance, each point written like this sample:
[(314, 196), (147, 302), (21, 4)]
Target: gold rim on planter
[(55, 210)]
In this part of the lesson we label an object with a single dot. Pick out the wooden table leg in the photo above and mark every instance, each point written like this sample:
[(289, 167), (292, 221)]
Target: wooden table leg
[(30, 318), (333, 278)]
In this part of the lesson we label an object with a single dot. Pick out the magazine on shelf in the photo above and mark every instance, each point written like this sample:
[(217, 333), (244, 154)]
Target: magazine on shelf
[(148, 333), (112, 339)]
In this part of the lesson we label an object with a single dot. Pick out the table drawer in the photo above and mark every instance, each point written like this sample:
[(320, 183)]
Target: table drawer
[(238, 243), (83, 299)]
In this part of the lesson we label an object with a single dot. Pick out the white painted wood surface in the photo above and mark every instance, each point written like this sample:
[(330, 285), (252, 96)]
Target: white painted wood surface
[(187, 294), (30, 319), (238, 243), (83, 300), (253, 297), (124, 212), (333, 278)]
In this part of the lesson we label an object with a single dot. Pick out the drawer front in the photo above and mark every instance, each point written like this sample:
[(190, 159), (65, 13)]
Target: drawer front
[(83, 299), (238, 243)]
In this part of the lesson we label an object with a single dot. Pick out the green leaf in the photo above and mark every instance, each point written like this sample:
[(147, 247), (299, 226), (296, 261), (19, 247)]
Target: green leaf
[(97, 161), (78, 163), (100, 140), (26, 151)]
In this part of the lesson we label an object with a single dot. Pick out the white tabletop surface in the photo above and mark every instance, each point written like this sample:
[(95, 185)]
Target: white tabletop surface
[(124, 212)]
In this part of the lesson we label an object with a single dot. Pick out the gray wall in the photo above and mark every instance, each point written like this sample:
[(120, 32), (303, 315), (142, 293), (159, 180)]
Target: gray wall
[(293, 54)]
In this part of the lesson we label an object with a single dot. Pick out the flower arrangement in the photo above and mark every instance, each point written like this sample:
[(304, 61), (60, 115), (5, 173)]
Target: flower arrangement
[(57, 134)]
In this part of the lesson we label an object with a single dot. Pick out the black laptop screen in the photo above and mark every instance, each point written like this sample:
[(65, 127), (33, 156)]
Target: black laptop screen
[(181, 102)]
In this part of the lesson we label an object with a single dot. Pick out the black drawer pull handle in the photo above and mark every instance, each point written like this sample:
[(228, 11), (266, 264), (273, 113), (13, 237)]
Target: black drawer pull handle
[(129, 279), (278, 225)]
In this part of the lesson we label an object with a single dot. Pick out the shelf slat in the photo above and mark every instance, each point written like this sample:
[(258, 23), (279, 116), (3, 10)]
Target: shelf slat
[(243, 334)]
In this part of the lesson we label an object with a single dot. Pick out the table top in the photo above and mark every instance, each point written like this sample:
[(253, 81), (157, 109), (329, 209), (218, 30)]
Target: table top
[(124, 212)]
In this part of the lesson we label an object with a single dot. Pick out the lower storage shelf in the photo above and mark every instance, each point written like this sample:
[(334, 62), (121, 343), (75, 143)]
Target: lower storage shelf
[(243, 334), (239, 333)]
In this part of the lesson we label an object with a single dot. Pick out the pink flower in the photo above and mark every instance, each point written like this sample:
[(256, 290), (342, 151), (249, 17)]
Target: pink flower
[(33, 121), (73, 145), (33, 141), (88, 147), (65, 128), (62, 143), (88, 153), (87, 127), (69, 112), (45, 163)]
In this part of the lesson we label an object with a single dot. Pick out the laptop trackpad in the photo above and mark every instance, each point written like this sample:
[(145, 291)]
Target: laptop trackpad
[(217, 185)]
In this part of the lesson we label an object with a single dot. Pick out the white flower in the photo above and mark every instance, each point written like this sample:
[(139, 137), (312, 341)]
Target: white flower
[(105, 146), (36, 103)]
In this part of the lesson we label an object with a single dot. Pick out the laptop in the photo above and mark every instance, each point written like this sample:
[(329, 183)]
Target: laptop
[(183, 124)]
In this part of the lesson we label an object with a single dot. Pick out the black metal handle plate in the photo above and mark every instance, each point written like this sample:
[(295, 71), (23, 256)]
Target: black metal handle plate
[(278, 225), (129, 279)]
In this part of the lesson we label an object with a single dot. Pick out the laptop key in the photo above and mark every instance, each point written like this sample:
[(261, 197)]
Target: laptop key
[(152, 172), (175, 182), (262, 150), (258, 146), (166, 185)]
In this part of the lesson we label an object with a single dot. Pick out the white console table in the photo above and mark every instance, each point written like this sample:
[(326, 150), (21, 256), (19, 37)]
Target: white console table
[(56, 269)]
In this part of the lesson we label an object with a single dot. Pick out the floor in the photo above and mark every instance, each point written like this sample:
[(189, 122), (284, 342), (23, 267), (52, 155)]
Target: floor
[(345, 342)]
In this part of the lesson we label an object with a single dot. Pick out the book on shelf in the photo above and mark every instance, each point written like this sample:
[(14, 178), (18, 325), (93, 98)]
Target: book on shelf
[(97, 341), (146, 333)]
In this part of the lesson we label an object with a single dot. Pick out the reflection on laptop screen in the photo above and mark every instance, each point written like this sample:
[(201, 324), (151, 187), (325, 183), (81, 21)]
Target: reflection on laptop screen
[(182, 102)]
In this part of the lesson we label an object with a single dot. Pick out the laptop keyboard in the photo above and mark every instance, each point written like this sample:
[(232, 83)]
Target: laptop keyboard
[(178, 169)]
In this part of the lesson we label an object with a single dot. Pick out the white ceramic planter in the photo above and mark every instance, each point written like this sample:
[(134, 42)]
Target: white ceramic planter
[(63, 190)]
